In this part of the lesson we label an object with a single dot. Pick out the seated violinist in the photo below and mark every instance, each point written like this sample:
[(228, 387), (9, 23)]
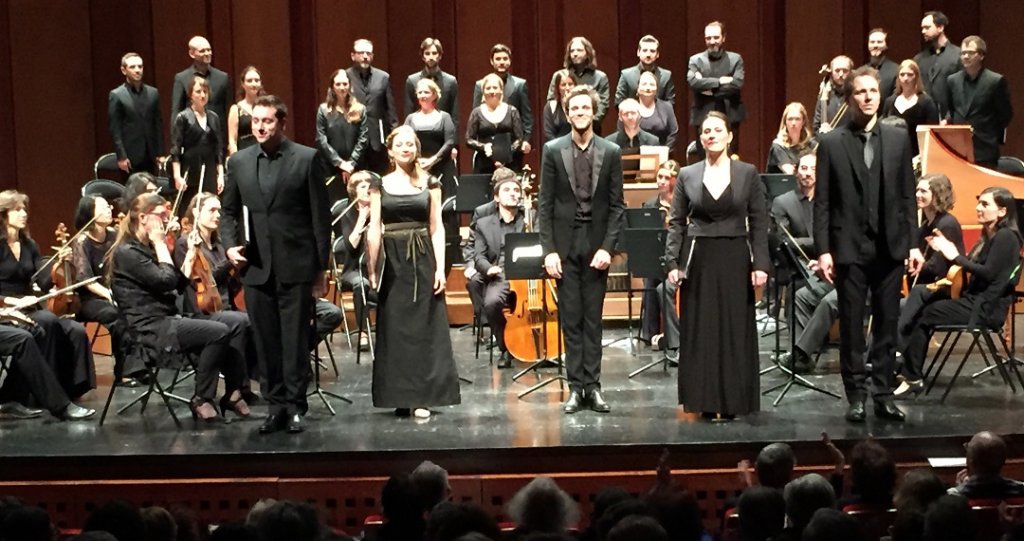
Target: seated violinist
[(212, 287), (88, 254), (31, 375), (489, 281), (988, 268), (63, 342), (145, 284)]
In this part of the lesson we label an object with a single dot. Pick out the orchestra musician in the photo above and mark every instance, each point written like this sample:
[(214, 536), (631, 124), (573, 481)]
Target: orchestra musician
[(910, 102), (196, 149), (145, 284), (980, 97), (517, 93), (993, 269), (629, 78), (489, 233), (580, 217), (830, 112), (219, 87), (30, 374), (887, 69), (716, 77), (556, 123), (448, 97), (372, 87), (136, 125), (581, 61), (657, 116), (661, 320), (717, 253), (240, 115), (939, 59), (630, 136), (353, 228), (201, 249), (793, 139), (341, 132), (63, 341)]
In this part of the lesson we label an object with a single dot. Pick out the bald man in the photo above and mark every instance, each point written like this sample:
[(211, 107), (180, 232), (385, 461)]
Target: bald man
[(983, 478), (201, 53)]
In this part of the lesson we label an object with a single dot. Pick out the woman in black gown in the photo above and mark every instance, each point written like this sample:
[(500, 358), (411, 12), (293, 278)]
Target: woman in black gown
[(414, 368), (493, 125), (341, 133), (718, 260), (436, 133), (910, 102), (195, 143), (240, 134), (63, 341), (556, 124)]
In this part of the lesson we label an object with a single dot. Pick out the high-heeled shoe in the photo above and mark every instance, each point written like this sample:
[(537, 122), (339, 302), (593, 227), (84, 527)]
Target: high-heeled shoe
[(238, 405), (198, 405), (908, 387)]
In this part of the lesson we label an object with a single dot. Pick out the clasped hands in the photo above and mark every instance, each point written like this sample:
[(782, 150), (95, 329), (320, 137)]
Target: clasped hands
[(553, 263)]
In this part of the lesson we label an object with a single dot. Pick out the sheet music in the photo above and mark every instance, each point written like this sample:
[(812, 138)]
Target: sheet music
[(534, 251), (245, 222)]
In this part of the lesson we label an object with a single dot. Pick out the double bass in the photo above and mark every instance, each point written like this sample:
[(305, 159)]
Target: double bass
[(532, 331)]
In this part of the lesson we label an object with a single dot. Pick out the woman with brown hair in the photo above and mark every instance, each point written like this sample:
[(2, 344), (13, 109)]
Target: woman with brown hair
[(195, 144), (556, 123), (341, 132), (240, 115)]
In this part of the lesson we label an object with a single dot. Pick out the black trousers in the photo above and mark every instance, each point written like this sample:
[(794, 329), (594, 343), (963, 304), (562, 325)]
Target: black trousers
[(580, 303), (881, 276), (940, 312), (106, 314), (65, 345), (361, 294), (912, 309), (212, 339), (280, 315), (816, 306), (493, 292), (29, 373)]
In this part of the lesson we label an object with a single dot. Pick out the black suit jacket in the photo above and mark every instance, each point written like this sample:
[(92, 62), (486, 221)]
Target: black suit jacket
[(137, 134), (887, 73), (488, 240), (220, 93), (289, 232), (629, 82), (724, 98), (789, 211), (376, 95), (839, 213), (936, 69), (988, 112), (449, 101), (558, 196), (517, 94)]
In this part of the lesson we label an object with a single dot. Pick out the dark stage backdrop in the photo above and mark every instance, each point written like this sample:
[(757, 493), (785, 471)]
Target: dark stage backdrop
[(60, 58)]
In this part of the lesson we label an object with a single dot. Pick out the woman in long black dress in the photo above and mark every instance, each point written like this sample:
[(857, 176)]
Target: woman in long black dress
[(341, 133), (718, 260), (240, 134), (436, 133), (910, 102), (63, 341), (414, 368), (556, 124), (656, 116), (195, 142), (492, 123), (793, 139)]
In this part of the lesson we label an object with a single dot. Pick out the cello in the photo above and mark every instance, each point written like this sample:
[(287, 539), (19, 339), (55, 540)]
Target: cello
[(532, 333)]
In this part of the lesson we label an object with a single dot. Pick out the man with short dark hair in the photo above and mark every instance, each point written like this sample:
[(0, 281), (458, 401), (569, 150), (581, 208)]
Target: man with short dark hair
[(372, 87), (878, 59), (136, 125), (938, 60), (201, 53), (581, 61), (983, 478), (980, 97), (629, 78), (431, 52), (276, 227), (716, 78), (517, 94), (832, 94)]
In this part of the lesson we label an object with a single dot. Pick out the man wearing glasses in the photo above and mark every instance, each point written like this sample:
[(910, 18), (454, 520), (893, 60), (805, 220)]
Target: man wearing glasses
[(372, 87), (980, 97)]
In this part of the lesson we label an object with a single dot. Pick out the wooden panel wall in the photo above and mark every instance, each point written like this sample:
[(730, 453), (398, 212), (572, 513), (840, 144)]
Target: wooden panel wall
[(59, 59)]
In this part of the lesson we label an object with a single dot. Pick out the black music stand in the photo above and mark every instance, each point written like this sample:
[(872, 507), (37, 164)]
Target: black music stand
[(524, 260), (774, 186), (639, 219), (645, 258), (789, 262)]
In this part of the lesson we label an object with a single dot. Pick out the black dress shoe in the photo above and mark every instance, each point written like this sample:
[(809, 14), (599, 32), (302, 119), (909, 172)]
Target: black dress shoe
[(274, 423), (855, 413), (504, 360), (295, 424), (889, 412), (597, 402), (74, 412), (19, 411), (573, 404)]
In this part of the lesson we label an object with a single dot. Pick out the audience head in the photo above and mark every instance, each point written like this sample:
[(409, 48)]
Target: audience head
[(187, 521), (832, 525), (762, 513), (160, 524), (98, 535), (949, 519), (908, 526), (26, 523), (289, 521), (638, 528), (431, 482), (399, 500), (542, 506), (986, 454), (606, 498), (450, 521), (618, 511), (677, 512), (805, 495), (119, 518), (257, 510), (775, 465), (918, 489), (234, 531), (873, 472)]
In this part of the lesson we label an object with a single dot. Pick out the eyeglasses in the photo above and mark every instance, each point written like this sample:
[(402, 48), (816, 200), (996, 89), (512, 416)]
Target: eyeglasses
[(969, 53)]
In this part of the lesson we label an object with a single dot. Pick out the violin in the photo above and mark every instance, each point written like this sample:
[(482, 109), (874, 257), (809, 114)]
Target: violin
[(532, 332), (61, 272), (208, 299)]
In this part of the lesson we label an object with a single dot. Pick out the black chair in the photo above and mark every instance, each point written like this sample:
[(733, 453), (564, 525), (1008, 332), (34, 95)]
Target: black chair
[(106, 163), (107, 189), (338, 264), (337, 209), (1011, 166), (150, 358), (369, 306)]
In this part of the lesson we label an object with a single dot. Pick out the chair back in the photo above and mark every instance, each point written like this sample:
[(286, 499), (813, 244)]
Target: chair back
[(337, 208), (107, 189), (1010, 165), (106, 162)]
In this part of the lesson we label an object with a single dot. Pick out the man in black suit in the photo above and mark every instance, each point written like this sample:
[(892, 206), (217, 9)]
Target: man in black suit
[(220, 87), (887, 69), (136, 125), (629, 78), (938, 60), (274, 194), (630, 137), (430, 52), (716, 78), (489, 252), (581, 209), (980, 97), (517, 94), (832, 94), (864, 218), (581, 60), (372, 87)]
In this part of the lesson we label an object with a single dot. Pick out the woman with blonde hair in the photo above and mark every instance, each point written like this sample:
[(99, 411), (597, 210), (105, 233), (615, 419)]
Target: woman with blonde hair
[(910, 102), (492, 123), (793, 139)]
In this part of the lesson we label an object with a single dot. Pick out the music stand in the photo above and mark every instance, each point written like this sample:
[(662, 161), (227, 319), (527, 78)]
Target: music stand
[(524, 260), (789, 262), (778, 184), (774, 186), (645, 218), (645, 258)]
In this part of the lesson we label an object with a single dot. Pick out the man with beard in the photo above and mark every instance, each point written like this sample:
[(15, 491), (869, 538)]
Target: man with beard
[(716, 78), (136, 126), (980, 97), (581, 61), (629, 78), (581, 211), (835, 112), (431, 51), (517, 94), (220, 87), (372, 87), (887, 69), (938, 60)]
